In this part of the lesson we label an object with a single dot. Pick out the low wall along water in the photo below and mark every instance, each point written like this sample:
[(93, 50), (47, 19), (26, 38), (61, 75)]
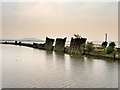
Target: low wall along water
[(73, 48)]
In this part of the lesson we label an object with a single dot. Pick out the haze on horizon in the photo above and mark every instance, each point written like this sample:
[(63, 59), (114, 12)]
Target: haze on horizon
[(60, 19)]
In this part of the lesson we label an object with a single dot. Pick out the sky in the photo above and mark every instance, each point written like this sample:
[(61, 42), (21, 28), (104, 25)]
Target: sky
[(60, 19)]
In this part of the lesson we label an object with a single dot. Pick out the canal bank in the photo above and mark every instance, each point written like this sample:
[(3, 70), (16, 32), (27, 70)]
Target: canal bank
[(73, 49)]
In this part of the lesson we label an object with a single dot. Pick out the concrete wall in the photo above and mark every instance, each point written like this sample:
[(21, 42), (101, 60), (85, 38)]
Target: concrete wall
[(75, 45), (60, 44), (49, 44)]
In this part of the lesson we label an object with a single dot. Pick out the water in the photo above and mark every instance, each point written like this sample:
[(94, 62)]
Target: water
[(25, 67)]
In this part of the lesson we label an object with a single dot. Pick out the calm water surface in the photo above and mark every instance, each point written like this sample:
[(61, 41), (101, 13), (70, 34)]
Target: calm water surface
[(25, 67)]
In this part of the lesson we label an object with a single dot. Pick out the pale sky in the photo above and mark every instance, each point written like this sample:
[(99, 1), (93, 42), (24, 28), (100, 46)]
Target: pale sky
[(60, 19)]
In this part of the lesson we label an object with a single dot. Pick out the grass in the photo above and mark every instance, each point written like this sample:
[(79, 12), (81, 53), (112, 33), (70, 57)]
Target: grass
[(100, 52)]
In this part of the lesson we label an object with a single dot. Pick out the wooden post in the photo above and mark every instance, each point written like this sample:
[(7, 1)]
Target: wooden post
[(114, 55), (15, 42), (20, 43)]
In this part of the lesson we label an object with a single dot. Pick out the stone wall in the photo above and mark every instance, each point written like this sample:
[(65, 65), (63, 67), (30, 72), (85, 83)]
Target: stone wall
[(60, 44), (75, 45), (41, 46), (35, 45), (49, 44)]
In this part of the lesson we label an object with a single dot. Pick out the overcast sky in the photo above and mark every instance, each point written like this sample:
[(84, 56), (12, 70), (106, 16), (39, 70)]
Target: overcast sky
[(60, 19)]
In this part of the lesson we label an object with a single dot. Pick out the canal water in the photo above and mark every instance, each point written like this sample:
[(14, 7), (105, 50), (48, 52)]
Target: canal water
[(24, 67)]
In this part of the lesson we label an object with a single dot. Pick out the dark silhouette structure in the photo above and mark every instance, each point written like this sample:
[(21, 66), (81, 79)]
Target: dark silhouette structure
[(104, 44), (41, 46), (35, 45), (106, 37), (15, 42), (20, 43), (49, 44), (75, 45), (60, 44), (118, 49)]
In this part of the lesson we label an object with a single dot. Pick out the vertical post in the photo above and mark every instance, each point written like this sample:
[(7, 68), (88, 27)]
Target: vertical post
[(20, 43), (114, 56), (15, 42), (106, 37)]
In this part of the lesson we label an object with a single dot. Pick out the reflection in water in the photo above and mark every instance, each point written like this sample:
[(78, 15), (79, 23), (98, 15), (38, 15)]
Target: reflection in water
[(49, 58), (59, 59), (59, 56), (32, 68)]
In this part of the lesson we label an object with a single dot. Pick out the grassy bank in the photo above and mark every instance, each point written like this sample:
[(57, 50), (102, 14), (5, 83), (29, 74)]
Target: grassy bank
[(114, 56), (98, 53)]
